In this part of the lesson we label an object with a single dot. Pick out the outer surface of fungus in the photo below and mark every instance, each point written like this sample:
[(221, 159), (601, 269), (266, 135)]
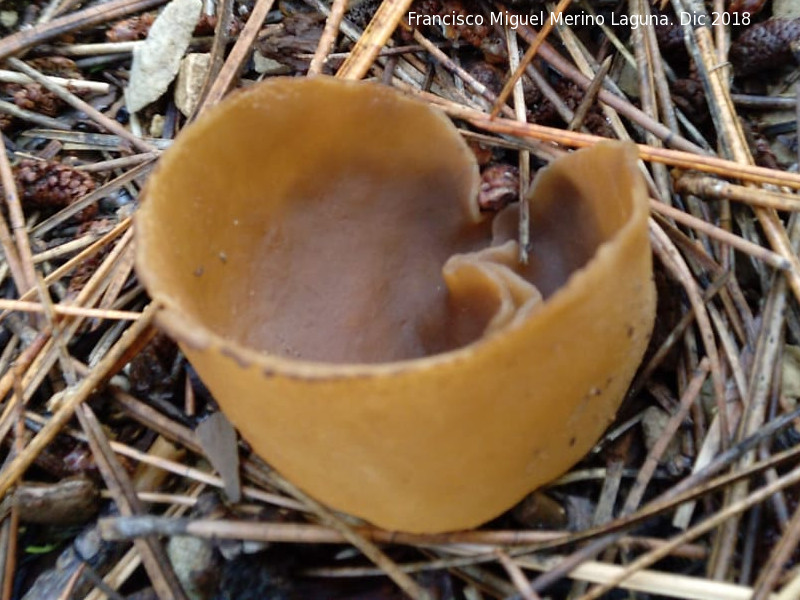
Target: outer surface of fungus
[(323, 264)]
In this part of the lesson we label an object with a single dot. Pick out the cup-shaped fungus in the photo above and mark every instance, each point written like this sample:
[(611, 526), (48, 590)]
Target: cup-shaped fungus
[(321, 260)]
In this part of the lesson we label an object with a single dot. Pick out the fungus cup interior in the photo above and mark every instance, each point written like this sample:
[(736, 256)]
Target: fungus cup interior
[(320, 254)]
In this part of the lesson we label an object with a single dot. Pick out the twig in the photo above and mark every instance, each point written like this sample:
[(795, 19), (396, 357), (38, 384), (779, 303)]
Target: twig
[(95, 115), (65, 309), (780, 556), (98, 87), (81, 19), (9, 248), (530, 54), (10, 535), (453, 67), (383, 23), (524, 160), (675, 262), (18, 225), (237, 56), (517, 576), (328, 37), (154, 558), (64, 249), (769, 341), (647, 94), (96, 195), (649, 582), (574, 139), (91, 141), (122, 162), (32, 117), (120, 528), (61, 417), (712, 522), (734, 241), (590, 96), (710, 187), (621, 105), (224, 10), (370, 550), (650, 463)]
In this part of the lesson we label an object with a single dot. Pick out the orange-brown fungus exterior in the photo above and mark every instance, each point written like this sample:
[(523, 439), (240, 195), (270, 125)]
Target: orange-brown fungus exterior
[(321, 259)]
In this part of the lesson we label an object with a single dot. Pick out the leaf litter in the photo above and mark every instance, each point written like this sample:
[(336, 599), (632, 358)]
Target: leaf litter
[(726, 446)]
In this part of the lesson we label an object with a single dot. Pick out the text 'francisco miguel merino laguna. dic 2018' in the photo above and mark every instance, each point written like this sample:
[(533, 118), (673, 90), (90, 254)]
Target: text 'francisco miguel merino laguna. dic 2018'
[(539, 19)]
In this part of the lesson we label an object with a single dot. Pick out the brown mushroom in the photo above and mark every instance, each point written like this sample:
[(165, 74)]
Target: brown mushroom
[(321, 259)]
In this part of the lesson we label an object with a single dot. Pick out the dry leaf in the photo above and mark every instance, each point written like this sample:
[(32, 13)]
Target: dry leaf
[(218, 440), (157, 61)]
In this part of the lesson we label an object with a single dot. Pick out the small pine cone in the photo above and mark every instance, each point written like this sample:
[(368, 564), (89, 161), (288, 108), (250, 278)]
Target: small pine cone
[(765, 46), (569, 92), (84, 271), (763, 154), (360, 13), (688, 95), (57, 66), (487, 74), (595, 120), (670, 38), (129, 30), (760, 147), (33, 97), (51, 185), (598, 124)]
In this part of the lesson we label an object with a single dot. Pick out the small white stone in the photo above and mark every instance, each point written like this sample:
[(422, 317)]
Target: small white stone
[(8, 18), (191, 77), (157, 126)]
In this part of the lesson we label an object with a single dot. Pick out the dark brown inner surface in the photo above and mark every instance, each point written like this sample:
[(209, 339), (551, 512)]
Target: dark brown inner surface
[(371, 257), (353, 273), (564, 235), (307, 240)]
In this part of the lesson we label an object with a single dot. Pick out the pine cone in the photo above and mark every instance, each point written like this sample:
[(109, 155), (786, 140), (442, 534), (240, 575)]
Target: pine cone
[(670, 38), (765, 46), (545, 114), (487, 74), (58, 66), (33, 97), (361, 13), (51, 185), (689, 95), (84, 271)]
